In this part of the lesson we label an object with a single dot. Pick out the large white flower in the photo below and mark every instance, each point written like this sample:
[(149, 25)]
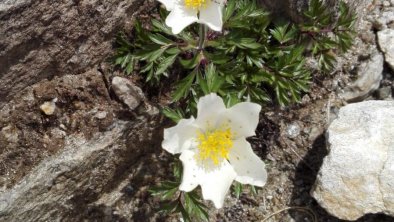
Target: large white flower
[(185, 12), (213, 148)]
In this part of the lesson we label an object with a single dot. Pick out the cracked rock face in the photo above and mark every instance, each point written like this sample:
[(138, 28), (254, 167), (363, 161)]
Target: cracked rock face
[(357, 176), (44, 39)]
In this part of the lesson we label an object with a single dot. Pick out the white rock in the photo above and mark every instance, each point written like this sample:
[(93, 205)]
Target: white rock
[(10, 133), (127, 92), (386, 43), (357, 176), (101, 115), (369, 77), (383, 19), (49, 107)]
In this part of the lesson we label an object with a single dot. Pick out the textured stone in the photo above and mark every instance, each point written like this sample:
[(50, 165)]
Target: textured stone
[(369, 76), (386, 43), (357, 176), (127, 92), (67, 185), (79, 99), (383, 20), (43, 39)]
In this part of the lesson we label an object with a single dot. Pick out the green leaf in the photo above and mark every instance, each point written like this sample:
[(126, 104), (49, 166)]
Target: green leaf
[(237, 189), (282, 33), (184, 213), (174, 115), (213, 80), (195, 207), (203, 83), (183, 87), (159, 39), (253, 190), (152, 56), (130, 66), (191, 63), (165, 63), (161, 27), (177, 170), (169, 207)]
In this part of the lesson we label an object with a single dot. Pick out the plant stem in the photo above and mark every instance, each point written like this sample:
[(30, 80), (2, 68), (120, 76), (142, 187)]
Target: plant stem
[(202, 35)]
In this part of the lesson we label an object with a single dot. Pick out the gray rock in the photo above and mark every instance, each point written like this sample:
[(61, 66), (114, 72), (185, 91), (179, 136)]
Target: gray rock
[(65, 186), (43, 39), (386, 43), (357, 176), (369, 77), (382, 20), (10, 133), (385, 92), (293, 130), (127, 92)]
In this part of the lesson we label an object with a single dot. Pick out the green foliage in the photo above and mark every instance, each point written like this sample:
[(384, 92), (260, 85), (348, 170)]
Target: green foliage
[(189, 205), (327, 32), (252, 59)]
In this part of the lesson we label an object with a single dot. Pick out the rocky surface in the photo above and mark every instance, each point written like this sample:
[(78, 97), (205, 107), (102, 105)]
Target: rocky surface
[(386, 43), (357, 176), (43, 39), (38, 129), (369, 75), (56, 167)]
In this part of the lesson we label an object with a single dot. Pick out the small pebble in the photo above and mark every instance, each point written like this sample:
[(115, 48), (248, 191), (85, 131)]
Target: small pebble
[(49, 107), (101, 115), (293, 130)]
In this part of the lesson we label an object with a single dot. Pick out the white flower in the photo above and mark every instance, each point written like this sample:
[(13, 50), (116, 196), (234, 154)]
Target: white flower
[(185, 12), (213, 148)]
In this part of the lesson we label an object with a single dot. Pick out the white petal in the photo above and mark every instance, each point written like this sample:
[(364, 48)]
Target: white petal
[(242, 119), (191, 172), (209, 108), (216, 184), (212, 15), (169, 4), (249, 167), (180, 17), (180, 137)]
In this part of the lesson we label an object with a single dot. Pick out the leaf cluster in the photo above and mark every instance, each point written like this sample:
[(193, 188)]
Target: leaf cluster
[(253, 59), (328, 32), (189, 204), (151, 51)]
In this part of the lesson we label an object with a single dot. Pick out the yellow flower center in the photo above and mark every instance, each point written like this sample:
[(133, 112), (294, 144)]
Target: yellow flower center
[(196, 4), (214, 145)]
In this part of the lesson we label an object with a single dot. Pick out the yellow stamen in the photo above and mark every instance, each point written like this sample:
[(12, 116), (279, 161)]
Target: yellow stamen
[(196, 4), (214, 145)]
